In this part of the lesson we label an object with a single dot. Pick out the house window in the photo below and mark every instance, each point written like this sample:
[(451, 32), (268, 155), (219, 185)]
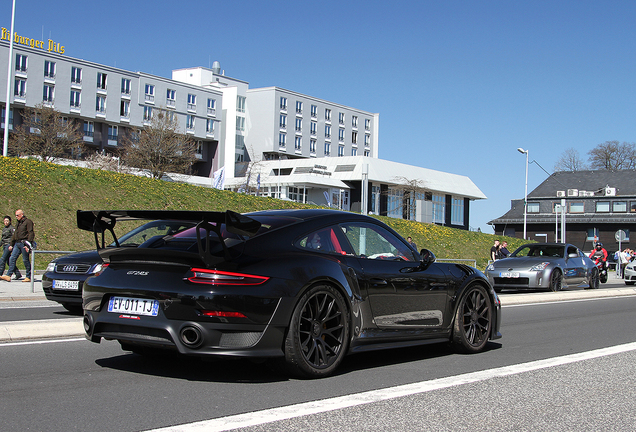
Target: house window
[(632, 207), (312, 128), (457, 211), (327, 131), (367, 140), (367, 153), (89, 128), (124, 109), (100, 104), (192, 102), (312, 146), (592, 234), (171, 96), (354, 152), (327, 149), (533, 207), (209, 126), (577, 207), (150, 93), (602, 207), (20, 63), (20, 88), (341, 118), (49, 69), (354, 137), (283, 121), (282, 140), (341, 133), (48, 94), (75, 98), (439, 208), (299, 124), (101, 80), (147, 113), (367, 124), (283, 103), (76, 75), (327, 114), (113, 132), (240, 104), (240, 123), (298, 143), (619, 206), (314, 110), (211, 106), (340, 150), (125, 86), (189, 121), (299, 107), (354, 121)]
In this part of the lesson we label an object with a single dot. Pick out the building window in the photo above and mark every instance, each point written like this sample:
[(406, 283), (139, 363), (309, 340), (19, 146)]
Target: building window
[(125, 86), (395, 203), (312, 146), (76, 75), (592, 234), (113, 133), (626, 234), (439, 208), (327, 114), (341, 118), (150, 93), (3, 118), (354, 121), (354, 152), (240, 124), (312, 128), (327, 149), (89, 129), (632, 207), (124, 109), (619, 206), (171, 98), (327, 131), (314, 111), (20, 88), (101, 80), (367, 153), (367, 124), (340, 150), (49, 69), (209, 126), (367, 140), (457, 211), (299, 124), (602, 207), (76, 98), (341, 133), (20, 63), (48, 95), (240, 104), (577, 207), (147, 113), (199, 149), (299, 107), (283, 103), (282, 140), (192, 102), (100, 104), (211, 107), (354, 137), (189, 121), (298, 143), (297, 194)]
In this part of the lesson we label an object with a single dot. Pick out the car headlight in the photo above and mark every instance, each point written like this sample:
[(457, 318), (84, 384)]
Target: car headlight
[(50, 267), (490, 267), (539, 267)]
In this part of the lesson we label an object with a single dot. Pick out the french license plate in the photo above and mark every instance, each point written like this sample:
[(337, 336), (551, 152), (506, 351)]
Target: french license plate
[(66, 285), (135, 306), (509, 274)]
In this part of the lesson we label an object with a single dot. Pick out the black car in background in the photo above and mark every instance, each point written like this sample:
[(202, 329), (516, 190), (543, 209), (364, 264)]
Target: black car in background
[(304, 287), (64, 277)]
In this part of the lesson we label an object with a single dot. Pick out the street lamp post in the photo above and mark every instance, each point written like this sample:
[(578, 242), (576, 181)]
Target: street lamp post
[(525, 200)]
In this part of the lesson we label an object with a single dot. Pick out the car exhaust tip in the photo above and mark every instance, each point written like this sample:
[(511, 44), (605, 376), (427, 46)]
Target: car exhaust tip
[(88, 324), (191, 336)]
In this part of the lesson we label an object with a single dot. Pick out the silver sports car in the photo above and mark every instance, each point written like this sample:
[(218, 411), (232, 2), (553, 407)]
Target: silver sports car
[(543, 265)]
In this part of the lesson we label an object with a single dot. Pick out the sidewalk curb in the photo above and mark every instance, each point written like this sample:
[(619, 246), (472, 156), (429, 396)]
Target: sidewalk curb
[(11, 331)]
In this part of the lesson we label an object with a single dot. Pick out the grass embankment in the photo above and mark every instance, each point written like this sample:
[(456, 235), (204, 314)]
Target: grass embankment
[(50, 194)]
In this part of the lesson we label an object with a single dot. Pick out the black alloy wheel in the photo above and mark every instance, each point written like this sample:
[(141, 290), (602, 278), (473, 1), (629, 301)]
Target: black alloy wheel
[(318, 334), (594, 279), (473, 321), (556, 280)]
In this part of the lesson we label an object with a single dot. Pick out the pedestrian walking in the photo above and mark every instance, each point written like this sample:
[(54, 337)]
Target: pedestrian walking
[(22, 243)]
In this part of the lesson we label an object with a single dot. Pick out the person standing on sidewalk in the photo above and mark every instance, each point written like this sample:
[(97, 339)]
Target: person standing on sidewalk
[(21, 244), (7, 235)]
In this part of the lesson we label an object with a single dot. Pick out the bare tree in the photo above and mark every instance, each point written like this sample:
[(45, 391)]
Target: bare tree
[(104, 162), (612, 155), (410, 188), (47, 134), (159, 147), (570, 161)]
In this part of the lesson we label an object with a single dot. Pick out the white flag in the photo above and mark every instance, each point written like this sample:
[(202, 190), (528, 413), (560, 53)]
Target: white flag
[(219, 178)]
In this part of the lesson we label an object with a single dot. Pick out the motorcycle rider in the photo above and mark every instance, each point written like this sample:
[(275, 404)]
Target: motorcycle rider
[(599, 253)]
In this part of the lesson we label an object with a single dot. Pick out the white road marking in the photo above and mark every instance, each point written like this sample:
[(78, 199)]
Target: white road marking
[(42, 341), (325, 405)]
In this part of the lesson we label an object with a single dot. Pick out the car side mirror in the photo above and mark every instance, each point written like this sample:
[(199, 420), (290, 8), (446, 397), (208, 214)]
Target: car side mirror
[(426, 258), (573, 255)]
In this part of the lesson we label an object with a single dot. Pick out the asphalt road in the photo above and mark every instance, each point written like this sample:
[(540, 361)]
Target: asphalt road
[(72, 384)]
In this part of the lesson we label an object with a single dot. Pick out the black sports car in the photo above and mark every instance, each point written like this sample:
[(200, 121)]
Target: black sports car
[(307, 286), (64, 277)]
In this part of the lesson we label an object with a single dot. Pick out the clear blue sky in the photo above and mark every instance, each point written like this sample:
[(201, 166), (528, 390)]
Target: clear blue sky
[(459, 85)]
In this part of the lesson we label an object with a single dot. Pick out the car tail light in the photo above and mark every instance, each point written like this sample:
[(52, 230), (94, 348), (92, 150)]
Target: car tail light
[(218, 277), (99, 268), (223, 314)]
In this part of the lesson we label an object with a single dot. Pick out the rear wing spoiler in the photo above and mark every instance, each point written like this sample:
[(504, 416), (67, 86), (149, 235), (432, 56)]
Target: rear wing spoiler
[(100, 221)]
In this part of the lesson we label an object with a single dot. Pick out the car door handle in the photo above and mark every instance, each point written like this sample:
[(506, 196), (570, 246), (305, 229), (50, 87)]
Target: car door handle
[(378, 281)]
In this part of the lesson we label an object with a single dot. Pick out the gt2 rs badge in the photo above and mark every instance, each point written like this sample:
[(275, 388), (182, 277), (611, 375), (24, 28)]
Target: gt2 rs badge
[(138, 273)]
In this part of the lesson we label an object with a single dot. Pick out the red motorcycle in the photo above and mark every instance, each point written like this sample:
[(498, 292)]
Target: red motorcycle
[(603, 268)]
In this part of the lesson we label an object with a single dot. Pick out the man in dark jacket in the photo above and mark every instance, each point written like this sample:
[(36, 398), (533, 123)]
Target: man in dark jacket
[(7, 235), (21, 244)]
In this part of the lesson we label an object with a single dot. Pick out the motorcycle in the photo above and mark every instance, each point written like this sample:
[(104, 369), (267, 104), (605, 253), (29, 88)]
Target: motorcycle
[(602, 269)]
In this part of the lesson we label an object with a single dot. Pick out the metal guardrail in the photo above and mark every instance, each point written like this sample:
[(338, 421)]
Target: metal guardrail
[(474, 261), (32, 258)]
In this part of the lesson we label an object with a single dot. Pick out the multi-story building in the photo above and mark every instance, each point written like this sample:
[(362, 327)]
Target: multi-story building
[(591, 205)]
